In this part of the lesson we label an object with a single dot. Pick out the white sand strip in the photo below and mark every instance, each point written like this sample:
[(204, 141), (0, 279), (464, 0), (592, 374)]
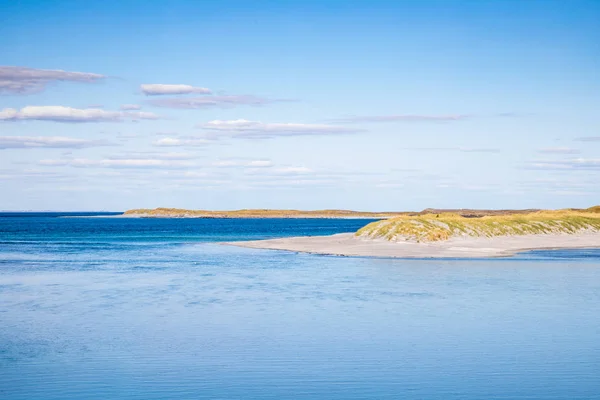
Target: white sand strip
[(346, 244)]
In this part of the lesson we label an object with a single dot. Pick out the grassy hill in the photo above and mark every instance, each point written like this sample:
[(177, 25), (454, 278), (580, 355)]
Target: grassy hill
[(436, 227)]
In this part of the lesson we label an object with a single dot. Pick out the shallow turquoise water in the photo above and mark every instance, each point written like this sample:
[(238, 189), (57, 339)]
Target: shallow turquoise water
[(95, 308)]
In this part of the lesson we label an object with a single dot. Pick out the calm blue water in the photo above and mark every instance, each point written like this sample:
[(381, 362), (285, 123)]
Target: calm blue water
[(99, 308)]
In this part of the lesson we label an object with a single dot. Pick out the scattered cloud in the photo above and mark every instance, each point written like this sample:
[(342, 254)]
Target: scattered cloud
[(153, 155), (56, 142), (183, 141), (211, 101), (242, 163), (242, 128), (157, 89), (24, 80), (119, 163), (293, 171), (130, 107), (75, 115), (259, 164), (403, 118), (31, 175), (195, 174), (281, 171), (558, 150), (588, 139)]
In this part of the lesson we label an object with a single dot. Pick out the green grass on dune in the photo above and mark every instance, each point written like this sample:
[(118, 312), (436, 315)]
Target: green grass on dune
[(436, 227)]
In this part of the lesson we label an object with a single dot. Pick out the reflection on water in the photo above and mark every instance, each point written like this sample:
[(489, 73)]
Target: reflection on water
[(152, 309)]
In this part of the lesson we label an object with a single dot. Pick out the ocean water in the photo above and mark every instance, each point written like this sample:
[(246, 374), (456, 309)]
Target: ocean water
[(119, 308)]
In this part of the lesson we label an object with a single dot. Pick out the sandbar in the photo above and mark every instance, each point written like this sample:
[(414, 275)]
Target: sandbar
[(347, 244)]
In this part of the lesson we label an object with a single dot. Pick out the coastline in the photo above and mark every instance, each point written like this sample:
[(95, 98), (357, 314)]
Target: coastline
[(252, 217), (347, 244)]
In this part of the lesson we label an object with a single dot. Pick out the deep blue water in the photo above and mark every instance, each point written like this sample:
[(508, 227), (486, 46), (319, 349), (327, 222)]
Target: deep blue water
[(119, 308)]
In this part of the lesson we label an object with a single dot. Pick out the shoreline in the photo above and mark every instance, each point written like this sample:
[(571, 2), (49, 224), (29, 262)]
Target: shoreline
[(347, 244)]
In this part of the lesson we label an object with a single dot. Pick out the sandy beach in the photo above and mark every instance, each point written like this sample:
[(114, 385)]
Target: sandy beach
[(346, 244)]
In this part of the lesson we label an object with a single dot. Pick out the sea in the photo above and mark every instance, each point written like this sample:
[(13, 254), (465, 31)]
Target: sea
[(94, 306)]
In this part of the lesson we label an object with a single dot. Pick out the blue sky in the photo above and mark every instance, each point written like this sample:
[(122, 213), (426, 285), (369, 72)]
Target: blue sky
[(370, 105)]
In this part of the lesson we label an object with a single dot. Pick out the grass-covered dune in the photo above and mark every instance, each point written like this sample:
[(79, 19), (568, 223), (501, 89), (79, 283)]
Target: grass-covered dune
[(595, 209), (437, 227)]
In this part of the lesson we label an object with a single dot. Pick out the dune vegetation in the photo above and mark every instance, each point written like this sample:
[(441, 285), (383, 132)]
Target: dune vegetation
[(437, 227)]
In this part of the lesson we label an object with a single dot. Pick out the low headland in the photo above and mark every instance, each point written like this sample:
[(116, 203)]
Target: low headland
[(461, 234), (163, 212), (255, 213)]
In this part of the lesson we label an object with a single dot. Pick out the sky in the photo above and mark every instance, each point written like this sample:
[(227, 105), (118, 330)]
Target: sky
[(366, 105)]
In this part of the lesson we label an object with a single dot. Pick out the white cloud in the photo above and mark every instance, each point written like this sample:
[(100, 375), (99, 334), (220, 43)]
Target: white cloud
[(210, 101), (120, 163), (57, 142), (68, 114), (281, 171), (589, 139), (293, 170), (242, 163), (185, 141), (195, 174), (8, 114), (31, 175), (226, 164), (154, 155), (242, 128), (130, 107), (155, 89), (24, 80), (260, 164)]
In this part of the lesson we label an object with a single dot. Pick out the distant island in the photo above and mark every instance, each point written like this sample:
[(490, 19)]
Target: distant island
[(466, 233), (162, 212), (255, 213)]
